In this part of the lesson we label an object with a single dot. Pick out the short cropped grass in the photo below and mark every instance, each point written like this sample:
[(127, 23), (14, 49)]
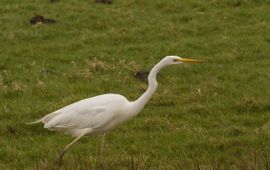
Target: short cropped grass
[(207, 116)]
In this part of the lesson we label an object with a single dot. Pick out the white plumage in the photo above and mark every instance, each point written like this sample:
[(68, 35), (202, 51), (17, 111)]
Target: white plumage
[(93, 115)]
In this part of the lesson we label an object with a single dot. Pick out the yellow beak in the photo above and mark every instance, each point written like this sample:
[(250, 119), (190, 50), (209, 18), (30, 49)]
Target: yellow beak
[(188, 60)]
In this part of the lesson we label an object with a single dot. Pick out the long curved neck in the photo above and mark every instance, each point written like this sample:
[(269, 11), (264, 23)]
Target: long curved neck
[(152, 86)]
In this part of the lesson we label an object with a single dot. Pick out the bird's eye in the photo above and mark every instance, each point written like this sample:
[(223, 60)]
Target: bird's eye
[(175, 60)]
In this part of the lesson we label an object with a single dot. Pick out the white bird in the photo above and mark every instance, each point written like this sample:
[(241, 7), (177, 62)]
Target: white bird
[(100, 114)]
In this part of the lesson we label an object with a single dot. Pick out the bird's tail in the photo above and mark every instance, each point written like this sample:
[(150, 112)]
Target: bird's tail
[(35, 122)]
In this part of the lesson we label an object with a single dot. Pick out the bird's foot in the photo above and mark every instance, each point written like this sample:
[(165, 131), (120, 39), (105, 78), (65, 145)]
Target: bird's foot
[(60, 159)]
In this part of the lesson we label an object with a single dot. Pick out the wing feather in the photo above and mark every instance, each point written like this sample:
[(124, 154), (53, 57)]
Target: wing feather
[(91, 113)]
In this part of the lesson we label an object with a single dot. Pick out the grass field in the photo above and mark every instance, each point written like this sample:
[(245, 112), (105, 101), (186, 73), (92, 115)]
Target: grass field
[(209, 116)]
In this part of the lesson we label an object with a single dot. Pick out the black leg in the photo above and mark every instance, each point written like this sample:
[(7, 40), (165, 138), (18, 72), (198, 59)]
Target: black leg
[(62, 153)]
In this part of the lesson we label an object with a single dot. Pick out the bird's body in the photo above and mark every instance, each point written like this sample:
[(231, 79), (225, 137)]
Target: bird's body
[(95, 115), (99, 114)]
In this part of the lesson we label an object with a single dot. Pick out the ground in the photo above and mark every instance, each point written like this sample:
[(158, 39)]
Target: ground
[(211, 115)]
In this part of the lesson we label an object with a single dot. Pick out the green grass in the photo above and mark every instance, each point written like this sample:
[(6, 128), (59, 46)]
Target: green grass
[(209, 116)]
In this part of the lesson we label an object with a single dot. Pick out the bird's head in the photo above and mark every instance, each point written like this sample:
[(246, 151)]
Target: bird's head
[(172, 60)]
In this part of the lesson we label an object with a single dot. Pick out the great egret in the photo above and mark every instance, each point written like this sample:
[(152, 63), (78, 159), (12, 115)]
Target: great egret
[(99, 114)]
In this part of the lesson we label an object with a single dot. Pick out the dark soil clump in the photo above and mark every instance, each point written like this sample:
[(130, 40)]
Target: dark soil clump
[(141, 75), (38, 19), (103, 1)]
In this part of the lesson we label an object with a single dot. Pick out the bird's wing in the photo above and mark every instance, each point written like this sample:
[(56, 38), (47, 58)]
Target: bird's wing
[(90, 113), (80, 118)]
